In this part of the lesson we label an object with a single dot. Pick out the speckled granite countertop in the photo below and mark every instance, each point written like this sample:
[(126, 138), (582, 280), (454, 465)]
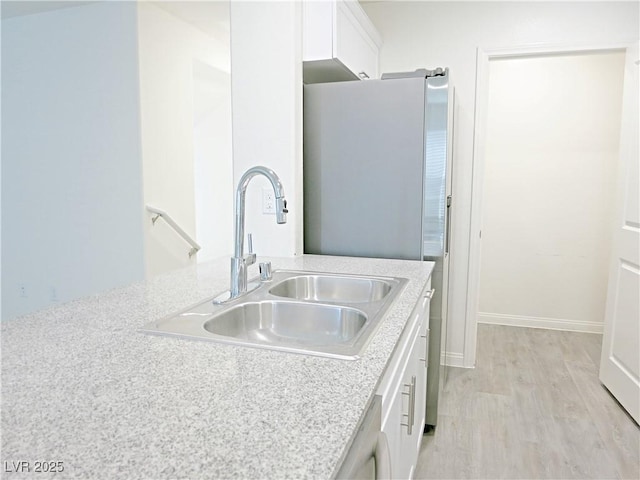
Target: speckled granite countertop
[(81, 386)]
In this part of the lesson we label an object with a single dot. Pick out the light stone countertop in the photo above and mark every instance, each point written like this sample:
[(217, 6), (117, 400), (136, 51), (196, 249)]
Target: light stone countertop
[(81, 386)]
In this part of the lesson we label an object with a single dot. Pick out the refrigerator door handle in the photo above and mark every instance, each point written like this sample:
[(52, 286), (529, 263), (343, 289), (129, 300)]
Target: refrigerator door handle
[(447, 234)]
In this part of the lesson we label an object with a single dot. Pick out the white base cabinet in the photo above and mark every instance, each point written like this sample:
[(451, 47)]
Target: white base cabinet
[(339, 42), (403, 390)]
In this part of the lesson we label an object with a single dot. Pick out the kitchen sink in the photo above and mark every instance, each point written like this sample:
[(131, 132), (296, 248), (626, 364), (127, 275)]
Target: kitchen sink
[(322, 314), (332, 288), (283, 322)]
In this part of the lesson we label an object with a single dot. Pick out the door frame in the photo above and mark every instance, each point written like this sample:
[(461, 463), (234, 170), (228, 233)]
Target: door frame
[(483, 57)]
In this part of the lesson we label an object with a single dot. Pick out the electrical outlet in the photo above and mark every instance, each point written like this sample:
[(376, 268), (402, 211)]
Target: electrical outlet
[(268, 201), (22, 290)]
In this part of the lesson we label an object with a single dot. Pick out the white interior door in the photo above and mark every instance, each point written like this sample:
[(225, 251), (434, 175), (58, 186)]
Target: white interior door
[(620, 361)]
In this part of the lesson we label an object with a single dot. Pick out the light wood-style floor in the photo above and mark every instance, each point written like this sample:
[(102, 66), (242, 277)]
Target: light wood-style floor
[(532, 408)]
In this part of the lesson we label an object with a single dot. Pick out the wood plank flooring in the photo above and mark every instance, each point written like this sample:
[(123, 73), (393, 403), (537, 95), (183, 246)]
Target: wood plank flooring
[(533, 408)]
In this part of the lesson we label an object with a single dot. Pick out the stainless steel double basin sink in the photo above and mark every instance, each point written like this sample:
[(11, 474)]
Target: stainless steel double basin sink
[(325, 314)]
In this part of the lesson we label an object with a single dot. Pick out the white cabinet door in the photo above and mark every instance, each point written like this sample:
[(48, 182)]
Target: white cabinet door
[(393, 429), (404, 425), (406, 457), (403, 390), (317, 26), (339, 42), (400, 424), (415, 385), (353, 46), (421, 358), (620, 361)]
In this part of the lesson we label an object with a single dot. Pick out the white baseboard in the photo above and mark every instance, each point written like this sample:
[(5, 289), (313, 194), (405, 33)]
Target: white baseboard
[(452, 359), (540, 322)]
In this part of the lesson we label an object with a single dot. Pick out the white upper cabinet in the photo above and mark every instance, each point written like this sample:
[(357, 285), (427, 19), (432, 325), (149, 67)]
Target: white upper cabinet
[(339, 42)]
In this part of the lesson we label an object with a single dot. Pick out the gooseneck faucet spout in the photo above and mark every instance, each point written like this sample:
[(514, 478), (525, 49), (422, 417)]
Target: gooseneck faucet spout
[(240, 261)]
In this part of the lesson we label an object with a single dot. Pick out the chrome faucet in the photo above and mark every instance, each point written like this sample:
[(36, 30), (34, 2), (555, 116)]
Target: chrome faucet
[(239, 261)]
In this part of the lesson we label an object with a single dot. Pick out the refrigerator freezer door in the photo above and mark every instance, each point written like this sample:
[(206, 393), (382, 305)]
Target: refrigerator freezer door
[(436, 166), (364, 168), (437, 191)]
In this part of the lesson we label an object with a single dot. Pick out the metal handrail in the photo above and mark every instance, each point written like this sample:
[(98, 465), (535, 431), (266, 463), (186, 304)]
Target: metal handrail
[(167, 218)]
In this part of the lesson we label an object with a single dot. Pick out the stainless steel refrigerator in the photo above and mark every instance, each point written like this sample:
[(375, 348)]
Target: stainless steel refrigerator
[(377, 180)]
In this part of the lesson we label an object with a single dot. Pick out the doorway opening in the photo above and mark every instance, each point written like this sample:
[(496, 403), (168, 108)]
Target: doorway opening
[(545, 166)]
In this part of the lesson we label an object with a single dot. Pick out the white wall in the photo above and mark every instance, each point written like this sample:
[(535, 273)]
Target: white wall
[(171, 54), (266, 48), (213, 165), (71, 171), (550, 167), (419, 34)]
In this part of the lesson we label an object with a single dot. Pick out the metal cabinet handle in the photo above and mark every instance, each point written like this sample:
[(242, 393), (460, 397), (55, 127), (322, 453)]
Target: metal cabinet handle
[(447, 243), (426, 349), (430, 294), (363, 75), (412, 404), (411, 415)]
